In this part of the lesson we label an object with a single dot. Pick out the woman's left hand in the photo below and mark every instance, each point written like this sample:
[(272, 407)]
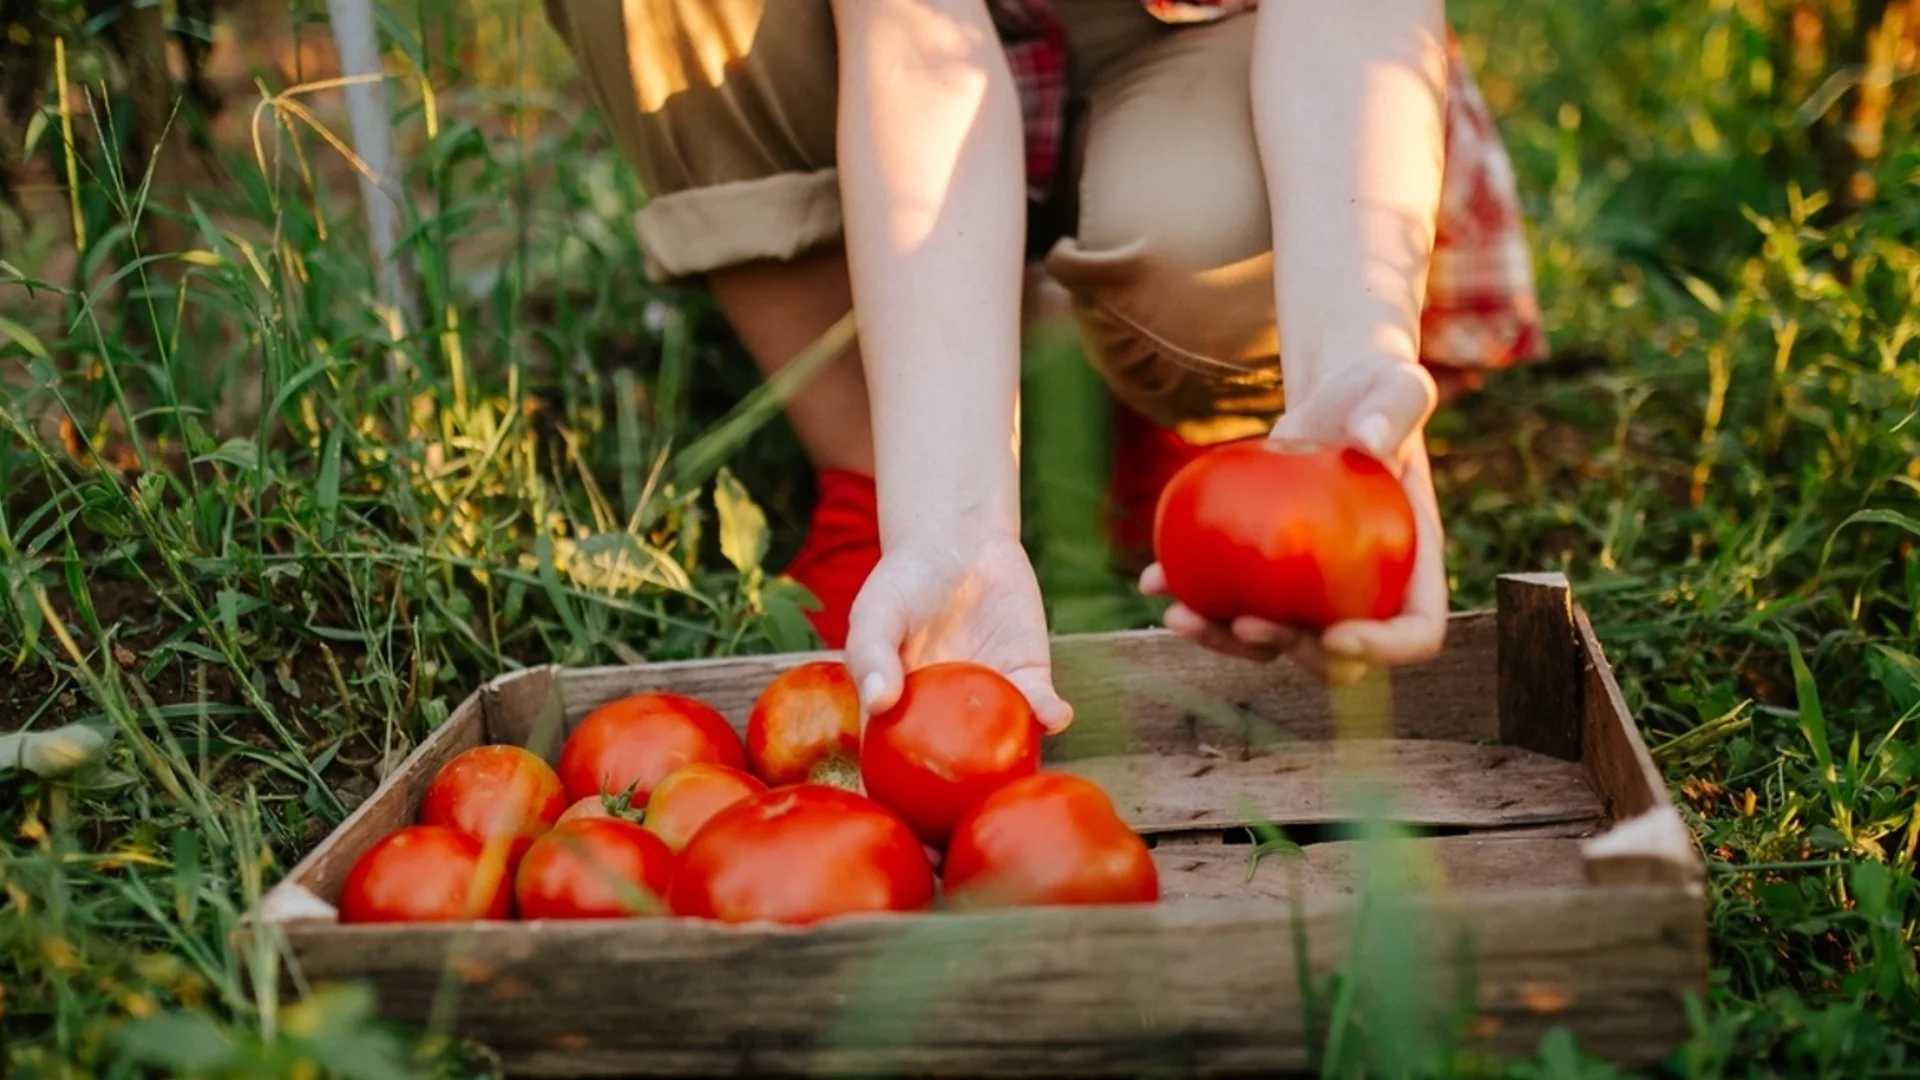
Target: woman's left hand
[(1379, 406)]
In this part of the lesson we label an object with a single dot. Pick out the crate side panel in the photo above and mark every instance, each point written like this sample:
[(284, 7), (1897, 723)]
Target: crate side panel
[(1109, 991), (1191, 874), (1423, 783), (1146, 691)]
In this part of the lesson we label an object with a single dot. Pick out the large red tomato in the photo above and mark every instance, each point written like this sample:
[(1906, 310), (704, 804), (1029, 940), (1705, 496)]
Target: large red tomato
[(426, 873), (688, 797), (496, 792), (1299, 536), (959, 731), (594, 868), (1047, 839), (636, 741), (806, 727), (800, 854)]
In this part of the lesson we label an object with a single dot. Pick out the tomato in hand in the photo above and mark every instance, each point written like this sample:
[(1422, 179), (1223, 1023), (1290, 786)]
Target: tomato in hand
[(1047, 839), (806, 727), (594, 868), (1296, 535), (797, 855), (496, 793), (688, 797), (633, 743), (959, 732), (426, 873)]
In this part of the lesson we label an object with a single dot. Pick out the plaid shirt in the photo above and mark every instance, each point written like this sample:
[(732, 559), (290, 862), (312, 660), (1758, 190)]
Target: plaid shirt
[(1481, 310)]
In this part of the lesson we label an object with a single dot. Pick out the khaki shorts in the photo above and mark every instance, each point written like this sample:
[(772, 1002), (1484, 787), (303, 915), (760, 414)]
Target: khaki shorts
[(727, 110)]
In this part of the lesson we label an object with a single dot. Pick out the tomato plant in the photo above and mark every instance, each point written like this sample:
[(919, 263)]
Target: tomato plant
[(688, 797), (806, 727), (1300, 536), (959, 731), (1051, 838), (492, 793), (633, 743), (426, 873), (594, 868), (800, 854)]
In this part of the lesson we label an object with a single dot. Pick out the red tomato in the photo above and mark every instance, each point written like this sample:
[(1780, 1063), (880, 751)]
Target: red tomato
[(426, 873), (806, 727), (1047, 839), (636, 741), (1299, 536), (495, 792), (594, 868), (958, 732), (800, 854), (685, 800)]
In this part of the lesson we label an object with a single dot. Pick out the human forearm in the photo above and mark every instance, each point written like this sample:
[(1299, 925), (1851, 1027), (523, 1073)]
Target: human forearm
[(1349, 104), (930, 168)]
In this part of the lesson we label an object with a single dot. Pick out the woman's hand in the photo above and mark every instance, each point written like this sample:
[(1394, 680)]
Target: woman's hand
[(968, 594), (1380, 406)]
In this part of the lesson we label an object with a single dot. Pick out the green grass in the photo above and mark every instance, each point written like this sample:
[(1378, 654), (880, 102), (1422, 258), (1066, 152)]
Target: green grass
[(1724, 456)]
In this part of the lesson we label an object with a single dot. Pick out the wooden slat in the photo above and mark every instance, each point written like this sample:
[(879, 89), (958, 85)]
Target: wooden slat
[(1144, 691), (388, 808), (1539, 665), (1192, 874), (1425, 783), (1649, 842), (1202, 990)]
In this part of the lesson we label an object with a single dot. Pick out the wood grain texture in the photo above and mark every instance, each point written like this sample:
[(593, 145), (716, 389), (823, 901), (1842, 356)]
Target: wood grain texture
[(1539, 665), (1200, 874), (1201, 990), (1422, 783), (1653, 843), (1145, 691)]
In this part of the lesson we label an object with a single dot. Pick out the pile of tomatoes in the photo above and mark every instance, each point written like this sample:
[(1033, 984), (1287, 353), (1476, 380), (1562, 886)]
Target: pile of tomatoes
[(658, 807)]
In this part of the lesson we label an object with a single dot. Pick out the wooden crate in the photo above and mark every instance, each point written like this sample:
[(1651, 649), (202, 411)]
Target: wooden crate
[(1569, 887)]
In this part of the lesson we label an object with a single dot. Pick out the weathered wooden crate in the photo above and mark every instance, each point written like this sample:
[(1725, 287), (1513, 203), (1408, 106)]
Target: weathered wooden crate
[(1569, 887)]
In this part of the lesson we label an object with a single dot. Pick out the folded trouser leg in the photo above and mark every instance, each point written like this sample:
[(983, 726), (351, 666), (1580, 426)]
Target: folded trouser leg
[(1171, 270), (726, 108)]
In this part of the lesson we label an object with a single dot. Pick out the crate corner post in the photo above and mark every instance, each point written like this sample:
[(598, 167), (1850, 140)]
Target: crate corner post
[(1540, 676)]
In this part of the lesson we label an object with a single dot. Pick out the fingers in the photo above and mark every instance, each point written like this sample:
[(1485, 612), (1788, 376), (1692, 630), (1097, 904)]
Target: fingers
[(875, 634), (1049, 707), (1393, 411), (1189, 624), (1153, 581)]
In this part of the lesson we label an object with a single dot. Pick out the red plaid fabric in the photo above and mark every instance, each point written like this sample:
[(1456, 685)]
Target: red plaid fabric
[(1482, 309)]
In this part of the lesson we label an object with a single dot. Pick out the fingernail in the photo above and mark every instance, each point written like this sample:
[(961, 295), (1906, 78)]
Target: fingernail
[(1374, 432), (870, 689)]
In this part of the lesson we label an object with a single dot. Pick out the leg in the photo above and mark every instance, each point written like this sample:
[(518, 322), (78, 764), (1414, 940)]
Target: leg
[(1171, 271), (726, 109)]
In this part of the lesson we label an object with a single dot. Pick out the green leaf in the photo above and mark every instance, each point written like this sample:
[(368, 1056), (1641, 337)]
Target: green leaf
[(24, 338), (239, 453), (786, 626), (1813, 721), (180, 1042), (186, 874), (326, 492), (743, 525)]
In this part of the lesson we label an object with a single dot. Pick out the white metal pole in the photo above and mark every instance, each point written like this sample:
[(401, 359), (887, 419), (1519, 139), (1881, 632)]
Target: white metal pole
[(372, 124)]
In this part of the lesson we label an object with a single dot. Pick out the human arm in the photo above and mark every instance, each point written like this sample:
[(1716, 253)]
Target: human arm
[(931, 172), (1348, 102)]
